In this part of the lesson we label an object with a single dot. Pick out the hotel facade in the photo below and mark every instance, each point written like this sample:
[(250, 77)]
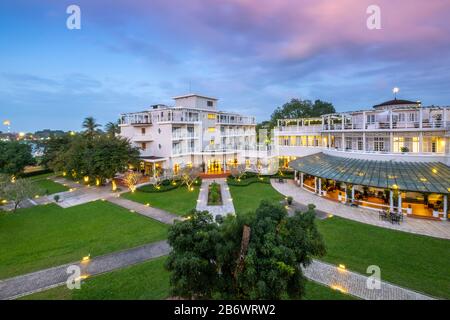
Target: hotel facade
[(193, 132), (395, 156)]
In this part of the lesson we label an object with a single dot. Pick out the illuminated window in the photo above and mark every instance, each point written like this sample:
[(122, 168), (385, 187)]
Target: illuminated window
[(211, 116), (212, 129), (211, 141)]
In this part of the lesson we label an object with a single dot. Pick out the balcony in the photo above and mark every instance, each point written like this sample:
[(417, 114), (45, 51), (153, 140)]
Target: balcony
[(184, 135), (383, 125), (142, 138)]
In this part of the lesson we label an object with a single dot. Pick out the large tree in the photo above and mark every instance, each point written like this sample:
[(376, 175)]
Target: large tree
[(192, 259), (249, 256), (53, 147), (14, 157), (297, 108)]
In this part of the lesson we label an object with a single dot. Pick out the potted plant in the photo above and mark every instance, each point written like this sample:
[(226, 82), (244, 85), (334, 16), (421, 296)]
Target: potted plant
[(56, 198), (289, 200), (404, 149)]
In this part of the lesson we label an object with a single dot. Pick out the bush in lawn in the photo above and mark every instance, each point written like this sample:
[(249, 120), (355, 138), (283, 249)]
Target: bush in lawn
[(289, 200), (56, 198)]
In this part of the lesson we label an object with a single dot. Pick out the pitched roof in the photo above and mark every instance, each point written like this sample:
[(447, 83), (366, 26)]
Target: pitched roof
[(395, 102)]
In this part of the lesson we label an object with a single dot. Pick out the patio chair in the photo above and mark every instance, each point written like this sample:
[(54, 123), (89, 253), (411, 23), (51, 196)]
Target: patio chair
[(382, 215)]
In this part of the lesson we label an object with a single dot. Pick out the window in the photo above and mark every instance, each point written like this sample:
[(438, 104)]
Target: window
[(370, 118), (378, 144), (360, 143), (415, 144), (212, 129), (348, 143), (209, 103), (143, 131), (211, 141), (399, 143), (143, 146), (211, 116)]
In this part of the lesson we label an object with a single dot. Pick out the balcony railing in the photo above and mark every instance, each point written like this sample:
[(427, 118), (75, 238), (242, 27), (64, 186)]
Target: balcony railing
[(184, 135), (382, 125), (141, 137)]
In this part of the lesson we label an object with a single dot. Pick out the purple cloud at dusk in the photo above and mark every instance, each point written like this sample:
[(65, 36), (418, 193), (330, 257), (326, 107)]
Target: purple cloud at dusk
[(252, 55)]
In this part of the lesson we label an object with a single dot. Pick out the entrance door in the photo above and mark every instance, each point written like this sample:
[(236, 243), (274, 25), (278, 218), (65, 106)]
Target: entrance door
[(214, 166)]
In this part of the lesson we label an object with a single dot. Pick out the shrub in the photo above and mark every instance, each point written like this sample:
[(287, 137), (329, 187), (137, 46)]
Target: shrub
[(56, 198), (289, 200)]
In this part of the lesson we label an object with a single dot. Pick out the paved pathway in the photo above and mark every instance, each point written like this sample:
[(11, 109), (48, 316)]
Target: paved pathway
[(438, 229), (38, 281), (151, 212), (356, 284), (350, 282), (202, 202)]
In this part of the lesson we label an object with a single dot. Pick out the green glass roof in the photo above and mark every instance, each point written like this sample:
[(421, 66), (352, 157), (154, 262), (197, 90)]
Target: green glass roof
[(428, 177)]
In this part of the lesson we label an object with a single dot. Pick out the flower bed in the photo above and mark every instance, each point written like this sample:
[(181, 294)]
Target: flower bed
[(214, 195)]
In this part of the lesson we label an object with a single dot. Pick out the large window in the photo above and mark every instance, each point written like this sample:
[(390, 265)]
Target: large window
[(378, 144), (399, 143)]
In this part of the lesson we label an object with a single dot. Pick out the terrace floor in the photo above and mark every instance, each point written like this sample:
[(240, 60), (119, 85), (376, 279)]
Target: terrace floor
[(438, 229)]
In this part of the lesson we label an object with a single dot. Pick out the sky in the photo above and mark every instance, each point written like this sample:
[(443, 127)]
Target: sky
[(254, 55)]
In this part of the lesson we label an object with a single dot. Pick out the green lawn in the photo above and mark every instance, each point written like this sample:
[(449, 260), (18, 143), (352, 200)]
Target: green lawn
[(249, 197), (417, 262), (45, 186), (148, 280), (45, 236), (179, 201)]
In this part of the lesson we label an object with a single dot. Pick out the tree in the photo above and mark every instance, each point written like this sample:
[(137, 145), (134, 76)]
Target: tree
[(298, 108), (53, 147), (249, 256), (238, 171), (189, 175), (191, 261), (18, 191), (14, 157), (279, 245), (112, 128), (91, 126), (131, 179)]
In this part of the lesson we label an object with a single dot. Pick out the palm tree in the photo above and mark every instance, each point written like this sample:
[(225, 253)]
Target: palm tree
[(112, 128), (90, 126)]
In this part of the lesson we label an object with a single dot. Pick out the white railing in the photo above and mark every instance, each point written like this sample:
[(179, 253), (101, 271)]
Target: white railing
[(142, 137), (184, 135)]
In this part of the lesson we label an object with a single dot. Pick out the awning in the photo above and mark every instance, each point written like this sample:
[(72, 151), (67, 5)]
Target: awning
[(428, 177)]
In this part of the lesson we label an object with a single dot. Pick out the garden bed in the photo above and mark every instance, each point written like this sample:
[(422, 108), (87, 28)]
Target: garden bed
[(214, 194)]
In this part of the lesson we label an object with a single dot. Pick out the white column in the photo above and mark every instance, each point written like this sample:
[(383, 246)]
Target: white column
[(399, 201), (421, 117), (345, 193), (320, 187), (353, 193), (301, 179), (390, 119), (343, 141), (391, 200), (420, 141), (295, 175), (364, 141), (315, 184), (445, 206)]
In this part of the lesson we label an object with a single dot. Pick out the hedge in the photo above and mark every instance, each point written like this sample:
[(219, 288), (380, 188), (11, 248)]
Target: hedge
[(165, 186), (35, 173)]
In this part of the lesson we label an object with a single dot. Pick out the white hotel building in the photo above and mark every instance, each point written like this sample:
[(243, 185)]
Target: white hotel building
[(192, 132), (395, 155)]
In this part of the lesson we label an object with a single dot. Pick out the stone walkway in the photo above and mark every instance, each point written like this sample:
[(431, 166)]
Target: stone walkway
[(202, 202), (438, 229), (151, 212), (38, 281), (329, 275), (356, 284)]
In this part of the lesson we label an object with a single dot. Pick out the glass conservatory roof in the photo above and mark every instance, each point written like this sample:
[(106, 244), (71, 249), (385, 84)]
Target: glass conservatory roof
[(428, 177)]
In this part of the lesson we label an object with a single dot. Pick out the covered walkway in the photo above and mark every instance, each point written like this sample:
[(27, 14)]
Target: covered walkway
[(436, 229), (418, 189)]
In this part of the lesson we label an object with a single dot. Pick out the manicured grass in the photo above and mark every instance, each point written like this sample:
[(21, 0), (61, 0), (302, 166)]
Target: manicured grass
[(47, 187), (248, 198), (43, 236), (148, 280), (413, 261), (179, 201)]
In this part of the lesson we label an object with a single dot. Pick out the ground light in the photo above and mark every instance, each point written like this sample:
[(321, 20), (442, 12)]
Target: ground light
[(341, 267), (338, 288)]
